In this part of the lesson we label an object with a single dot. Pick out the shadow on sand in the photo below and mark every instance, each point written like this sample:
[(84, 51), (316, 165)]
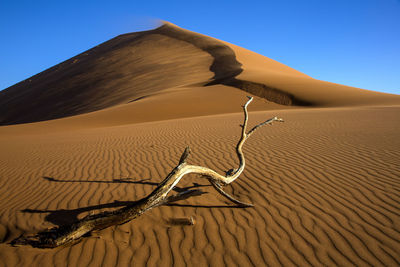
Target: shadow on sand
[(63, 217)]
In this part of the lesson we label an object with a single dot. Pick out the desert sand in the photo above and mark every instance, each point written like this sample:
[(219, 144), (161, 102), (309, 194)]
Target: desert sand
[(100, 130)]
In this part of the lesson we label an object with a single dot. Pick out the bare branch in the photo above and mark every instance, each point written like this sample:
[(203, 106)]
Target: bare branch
[(218, 187), (269, 121), (184, 156)]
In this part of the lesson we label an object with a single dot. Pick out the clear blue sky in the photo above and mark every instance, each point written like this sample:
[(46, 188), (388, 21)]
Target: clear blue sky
[(352, 42)]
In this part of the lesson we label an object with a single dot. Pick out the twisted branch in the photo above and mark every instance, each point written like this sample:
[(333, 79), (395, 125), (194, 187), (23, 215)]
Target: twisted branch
[(70, 233)]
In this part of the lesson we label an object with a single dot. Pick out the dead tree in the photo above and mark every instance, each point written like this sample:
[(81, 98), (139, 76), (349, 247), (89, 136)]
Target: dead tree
[(70, 233)]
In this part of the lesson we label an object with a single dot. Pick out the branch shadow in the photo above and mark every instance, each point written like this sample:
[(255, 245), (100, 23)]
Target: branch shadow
[(127, 181), (63, 217)]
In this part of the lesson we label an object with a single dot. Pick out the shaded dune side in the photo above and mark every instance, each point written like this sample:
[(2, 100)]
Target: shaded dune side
[(118, 71), (326, 191), (226, 67)]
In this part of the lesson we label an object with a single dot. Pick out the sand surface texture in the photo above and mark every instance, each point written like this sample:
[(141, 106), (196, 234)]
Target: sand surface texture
[(325, 183)]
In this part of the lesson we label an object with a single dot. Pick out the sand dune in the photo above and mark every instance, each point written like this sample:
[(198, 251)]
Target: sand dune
[(325, 184), (134, 66)]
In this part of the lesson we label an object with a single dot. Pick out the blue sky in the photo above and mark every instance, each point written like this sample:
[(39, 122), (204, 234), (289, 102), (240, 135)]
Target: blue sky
[(351, 42)]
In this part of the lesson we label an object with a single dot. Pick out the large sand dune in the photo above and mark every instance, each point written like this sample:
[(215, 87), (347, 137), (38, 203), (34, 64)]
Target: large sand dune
[(135, 66), (325, 184)]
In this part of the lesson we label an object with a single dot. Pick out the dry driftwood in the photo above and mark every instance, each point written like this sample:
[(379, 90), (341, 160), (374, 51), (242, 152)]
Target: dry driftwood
[(70, 233)]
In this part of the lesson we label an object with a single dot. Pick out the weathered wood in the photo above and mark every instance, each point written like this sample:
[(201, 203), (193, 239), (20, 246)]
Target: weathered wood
[(70, 233)]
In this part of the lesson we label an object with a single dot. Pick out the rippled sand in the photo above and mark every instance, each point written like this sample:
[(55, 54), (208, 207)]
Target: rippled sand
[(325, 184)]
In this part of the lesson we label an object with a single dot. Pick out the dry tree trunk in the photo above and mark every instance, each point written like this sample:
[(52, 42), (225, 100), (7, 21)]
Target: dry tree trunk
[(67, 234)]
